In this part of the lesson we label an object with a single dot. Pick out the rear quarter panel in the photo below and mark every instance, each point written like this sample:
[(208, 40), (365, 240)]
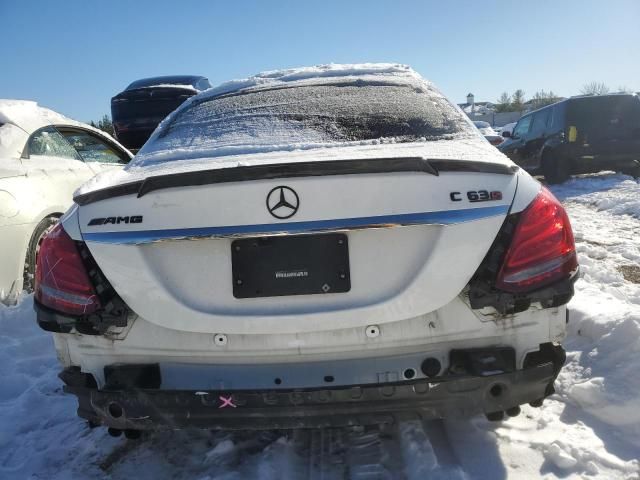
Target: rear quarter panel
[(27, 199)]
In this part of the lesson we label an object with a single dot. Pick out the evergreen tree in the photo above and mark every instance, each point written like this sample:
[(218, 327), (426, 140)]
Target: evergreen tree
[(517, 101), (103, 124)]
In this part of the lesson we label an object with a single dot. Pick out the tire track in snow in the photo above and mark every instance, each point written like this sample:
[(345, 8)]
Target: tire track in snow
[(404, 451), (427, 452)]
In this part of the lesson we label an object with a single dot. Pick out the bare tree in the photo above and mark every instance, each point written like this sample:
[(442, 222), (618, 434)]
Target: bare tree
[(541, 99), (624, 89), (517, 100), (594, 88), (504, 103)]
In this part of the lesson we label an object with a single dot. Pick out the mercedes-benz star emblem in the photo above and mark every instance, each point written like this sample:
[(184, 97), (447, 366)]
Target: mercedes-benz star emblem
[(282, 202)]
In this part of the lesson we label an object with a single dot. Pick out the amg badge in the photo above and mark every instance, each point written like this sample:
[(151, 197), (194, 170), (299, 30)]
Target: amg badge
[(115, 220)]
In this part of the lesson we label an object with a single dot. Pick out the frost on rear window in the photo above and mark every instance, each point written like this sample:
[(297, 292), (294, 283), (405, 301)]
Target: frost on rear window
[(304, 117)]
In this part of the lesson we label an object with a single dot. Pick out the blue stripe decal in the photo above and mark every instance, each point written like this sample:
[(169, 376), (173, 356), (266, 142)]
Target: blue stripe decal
[(446, 217)]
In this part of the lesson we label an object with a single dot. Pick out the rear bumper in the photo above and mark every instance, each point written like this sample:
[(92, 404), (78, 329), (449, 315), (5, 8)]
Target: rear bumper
[(143, 408)]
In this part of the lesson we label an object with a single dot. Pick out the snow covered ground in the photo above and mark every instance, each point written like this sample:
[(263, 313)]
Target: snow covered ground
[(589, 429)]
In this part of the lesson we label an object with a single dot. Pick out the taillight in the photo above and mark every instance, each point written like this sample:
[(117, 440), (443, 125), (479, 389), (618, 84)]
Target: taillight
[(542, 249), (62, 282)]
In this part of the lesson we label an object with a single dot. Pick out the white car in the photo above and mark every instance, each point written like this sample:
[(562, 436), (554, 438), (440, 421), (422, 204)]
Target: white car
[(44, 158), (493, 137), (507, 128), (331, 245)]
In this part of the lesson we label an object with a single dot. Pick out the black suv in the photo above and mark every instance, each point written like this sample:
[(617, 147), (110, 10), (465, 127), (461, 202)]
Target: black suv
[(137, 111), (578, 135)]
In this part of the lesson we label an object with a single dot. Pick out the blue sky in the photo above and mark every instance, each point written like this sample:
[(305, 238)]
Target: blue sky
[(73, 55)]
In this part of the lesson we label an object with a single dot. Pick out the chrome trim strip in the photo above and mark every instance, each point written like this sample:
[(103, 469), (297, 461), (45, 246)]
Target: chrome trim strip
[(445, 217)]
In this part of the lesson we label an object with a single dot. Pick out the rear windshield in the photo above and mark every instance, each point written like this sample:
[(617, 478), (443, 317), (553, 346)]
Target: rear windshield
[(307, 116), (167, 80)]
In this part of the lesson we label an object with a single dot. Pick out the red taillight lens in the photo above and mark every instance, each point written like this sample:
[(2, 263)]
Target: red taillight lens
[(542, 249), (62, 283)]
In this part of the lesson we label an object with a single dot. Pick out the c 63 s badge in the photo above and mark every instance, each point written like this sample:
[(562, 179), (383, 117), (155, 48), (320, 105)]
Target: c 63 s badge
[(476, 196)]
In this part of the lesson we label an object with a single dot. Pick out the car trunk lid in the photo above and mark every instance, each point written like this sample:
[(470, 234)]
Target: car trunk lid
[(413, 230)]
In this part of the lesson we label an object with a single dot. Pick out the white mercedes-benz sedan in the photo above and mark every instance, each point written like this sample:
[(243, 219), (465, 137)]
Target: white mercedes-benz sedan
[(44, 158), (331, 245)]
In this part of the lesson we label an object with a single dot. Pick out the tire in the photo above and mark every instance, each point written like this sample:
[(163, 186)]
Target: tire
[(555, 170), (32, 252)]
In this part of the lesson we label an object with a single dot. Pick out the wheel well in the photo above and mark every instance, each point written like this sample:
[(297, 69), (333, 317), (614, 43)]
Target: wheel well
[(32, 238), (55, 215), (546, 157), (549, 153)]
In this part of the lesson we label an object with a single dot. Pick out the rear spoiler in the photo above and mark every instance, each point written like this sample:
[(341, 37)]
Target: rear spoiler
[(292, 170)]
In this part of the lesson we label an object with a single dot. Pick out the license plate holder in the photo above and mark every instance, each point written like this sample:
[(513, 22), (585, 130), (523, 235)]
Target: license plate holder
[(290, 265)]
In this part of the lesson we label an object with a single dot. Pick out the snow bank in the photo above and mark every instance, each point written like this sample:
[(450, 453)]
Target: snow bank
[(589, 429), (616, 193), (557, 453), (38, 436), (602, 374)]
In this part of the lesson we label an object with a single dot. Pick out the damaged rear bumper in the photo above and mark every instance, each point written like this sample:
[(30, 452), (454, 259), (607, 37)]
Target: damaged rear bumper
[(141, 408)]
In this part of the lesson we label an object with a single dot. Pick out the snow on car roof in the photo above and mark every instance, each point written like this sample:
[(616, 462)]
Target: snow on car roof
[(28, 115), (274, 78), (171, 85), (167, 80), (20, 119), (23, 117)]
